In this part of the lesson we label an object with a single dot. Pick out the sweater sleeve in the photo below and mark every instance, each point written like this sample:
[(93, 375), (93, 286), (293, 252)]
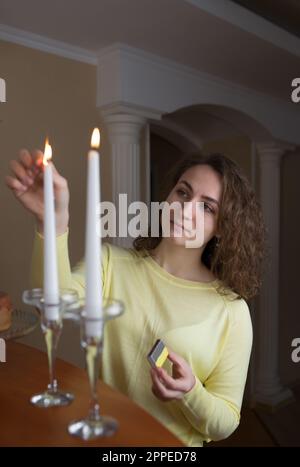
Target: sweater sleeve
[(213, 408), (75, 278)]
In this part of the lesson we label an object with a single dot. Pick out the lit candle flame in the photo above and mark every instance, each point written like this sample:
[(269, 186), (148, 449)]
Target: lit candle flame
[(47, 152), (95, 141)]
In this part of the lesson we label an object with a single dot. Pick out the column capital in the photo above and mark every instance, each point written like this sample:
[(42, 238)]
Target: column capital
[(274, 148), (124, 127), (131, 110)]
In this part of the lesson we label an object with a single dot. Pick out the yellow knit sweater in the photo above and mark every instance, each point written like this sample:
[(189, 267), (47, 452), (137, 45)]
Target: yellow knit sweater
[(211, 332)]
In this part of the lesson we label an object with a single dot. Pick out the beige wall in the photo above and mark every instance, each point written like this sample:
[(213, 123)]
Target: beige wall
[(46, 95), (163, 156), (237, 149)]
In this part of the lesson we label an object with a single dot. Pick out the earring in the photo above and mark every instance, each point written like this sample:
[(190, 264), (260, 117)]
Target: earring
[(217, 241)]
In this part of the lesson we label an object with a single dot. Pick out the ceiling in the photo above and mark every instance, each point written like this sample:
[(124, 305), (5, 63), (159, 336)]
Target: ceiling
[(176, 29), (283, 13)]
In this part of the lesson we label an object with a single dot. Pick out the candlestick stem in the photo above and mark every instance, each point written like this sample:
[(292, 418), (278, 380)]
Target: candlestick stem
[(93, 356), (52, 335)]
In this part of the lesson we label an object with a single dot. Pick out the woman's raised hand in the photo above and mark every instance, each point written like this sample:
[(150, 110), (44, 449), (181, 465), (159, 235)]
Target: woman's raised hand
[(26, 182)]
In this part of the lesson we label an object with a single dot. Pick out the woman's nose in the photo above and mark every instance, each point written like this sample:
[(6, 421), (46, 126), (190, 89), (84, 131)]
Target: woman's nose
[(188, 215), (189, 210)]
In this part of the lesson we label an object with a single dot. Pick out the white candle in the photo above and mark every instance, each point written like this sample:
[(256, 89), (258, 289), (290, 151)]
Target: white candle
[(51, 290), (93, 297)]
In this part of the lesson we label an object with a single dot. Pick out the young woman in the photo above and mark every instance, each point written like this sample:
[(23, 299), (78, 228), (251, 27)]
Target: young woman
[(194, 299)]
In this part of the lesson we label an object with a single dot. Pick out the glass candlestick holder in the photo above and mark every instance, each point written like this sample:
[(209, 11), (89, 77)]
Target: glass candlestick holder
[(51, 316), (92, 332)]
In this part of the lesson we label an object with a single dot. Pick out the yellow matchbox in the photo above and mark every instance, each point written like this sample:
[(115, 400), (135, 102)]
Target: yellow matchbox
[(158, 354)]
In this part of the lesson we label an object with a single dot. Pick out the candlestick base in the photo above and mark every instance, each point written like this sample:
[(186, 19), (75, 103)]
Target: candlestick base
[(52, 397), (90, 429), (51, 324)]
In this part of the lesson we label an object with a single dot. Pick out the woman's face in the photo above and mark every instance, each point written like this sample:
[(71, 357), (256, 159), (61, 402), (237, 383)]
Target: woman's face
[(198, 183)]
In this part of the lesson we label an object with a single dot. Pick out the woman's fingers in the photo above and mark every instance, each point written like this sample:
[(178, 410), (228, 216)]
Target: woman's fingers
[(27, 161), (37, 158), (29, 166), (25, 158), (37, 162), (59, 181), (177, 360), (57, 178), (25, 170), (20, 173), (171, 383), (15, 185), (33, 165), (162, 387), (160, 391)]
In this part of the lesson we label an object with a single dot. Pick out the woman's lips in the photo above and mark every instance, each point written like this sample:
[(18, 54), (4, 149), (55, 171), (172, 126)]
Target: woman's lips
[(180, 226)]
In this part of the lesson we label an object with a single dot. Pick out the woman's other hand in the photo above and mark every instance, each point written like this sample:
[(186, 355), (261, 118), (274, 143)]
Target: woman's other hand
[(166, 387)]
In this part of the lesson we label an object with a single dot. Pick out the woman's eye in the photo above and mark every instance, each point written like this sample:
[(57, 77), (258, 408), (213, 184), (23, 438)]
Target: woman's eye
[(181, 192), (206, 206), (209, 208)]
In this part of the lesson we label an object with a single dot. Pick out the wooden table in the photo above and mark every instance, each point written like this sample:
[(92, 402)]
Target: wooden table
[(26, 372)]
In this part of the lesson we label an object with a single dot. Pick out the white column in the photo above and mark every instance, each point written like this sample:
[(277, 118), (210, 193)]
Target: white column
[(268, 389), (124, 132)]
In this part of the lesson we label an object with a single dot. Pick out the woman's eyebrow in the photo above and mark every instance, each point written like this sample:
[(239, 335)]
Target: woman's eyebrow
[(208, 198)]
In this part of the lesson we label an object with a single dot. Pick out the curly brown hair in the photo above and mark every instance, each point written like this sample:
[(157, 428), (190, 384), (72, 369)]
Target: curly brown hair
[(238, 259)]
